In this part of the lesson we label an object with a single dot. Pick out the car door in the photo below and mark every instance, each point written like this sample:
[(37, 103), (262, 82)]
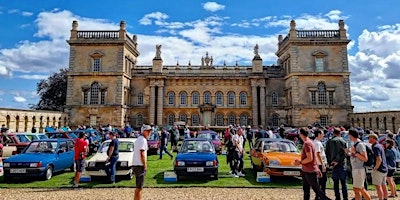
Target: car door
[(256, 153), (61, 162)]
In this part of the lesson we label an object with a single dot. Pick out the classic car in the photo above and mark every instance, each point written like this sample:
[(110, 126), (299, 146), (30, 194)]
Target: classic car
[(153, 143), (69, 135), (20, 141), (35, 136), (196, 157), (95, 165), (276, 157), (213, 136), (41, 158)]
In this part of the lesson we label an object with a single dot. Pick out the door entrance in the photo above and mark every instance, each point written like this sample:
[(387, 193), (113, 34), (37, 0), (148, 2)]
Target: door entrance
[(206, 117)]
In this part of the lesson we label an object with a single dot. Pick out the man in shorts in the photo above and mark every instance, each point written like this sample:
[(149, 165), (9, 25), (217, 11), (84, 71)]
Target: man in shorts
[(140, 160), (80, 151), (380, 167), (358, 155)]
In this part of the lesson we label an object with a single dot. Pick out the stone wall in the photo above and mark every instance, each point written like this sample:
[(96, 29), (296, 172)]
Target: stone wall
[(380, 120)]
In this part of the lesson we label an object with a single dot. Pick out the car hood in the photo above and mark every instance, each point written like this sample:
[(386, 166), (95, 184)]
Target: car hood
[(196, 156), (101, 157), (286, 158), (30, 157)]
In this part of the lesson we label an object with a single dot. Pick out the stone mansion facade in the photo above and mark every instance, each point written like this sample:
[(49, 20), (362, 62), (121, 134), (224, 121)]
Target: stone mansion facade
[(309, 83)]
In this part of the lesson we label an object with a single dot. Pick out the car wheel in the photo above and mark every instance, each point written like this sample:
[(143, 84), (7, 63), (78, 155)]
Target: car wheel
[(48, 173), (130, 175), (72, 167)]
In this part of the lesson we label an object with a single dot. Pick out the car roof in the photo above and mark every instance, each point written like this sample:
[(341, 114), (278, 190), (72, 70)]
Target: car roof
[(275, 139), (196, 139), (53, 140), (124, 140)]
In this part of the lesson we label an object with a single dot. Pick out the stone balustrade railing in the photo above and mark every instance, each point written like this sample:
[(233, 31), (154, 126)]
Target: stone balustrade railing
[(98, 34)]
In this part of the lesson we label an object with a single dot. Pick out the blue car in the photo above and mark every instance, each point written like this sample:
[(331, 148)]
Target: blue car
[(41, 158), (196, 157)]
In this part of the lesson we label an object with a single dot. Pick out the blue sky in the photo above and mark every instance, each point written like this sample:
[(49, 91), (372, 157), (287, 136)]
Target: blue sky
[(33, 35)]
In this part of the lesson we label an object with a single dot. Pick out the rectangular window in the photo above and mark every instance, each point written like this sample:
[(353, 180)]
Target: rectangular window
[(331, 97), (313, 98), (85, 97), (195, 99), (103, 97), (219, 99), (319, 64), (96, 64), (93, 120), (323, 120), (140, 99)]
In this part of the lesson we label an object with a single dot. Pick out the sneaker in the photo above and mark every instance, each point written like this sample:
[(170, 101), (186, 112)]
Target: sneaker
[(75, 185), (234, 176), (240, 174)]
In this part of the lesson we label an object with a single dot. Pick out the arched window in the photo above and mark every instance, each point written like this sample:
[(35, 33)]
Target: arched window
[(219, 98), (195, 120), (183, 98), (195, 98), (231, 98), (183, 118), (243, 98), (275, 120), (231, 119), (207, 97), (219, 120), (243, 120), (140, 98), (274, 99), (139, 120), (171, 98), (171, 119), (94, 93), (321, 93)]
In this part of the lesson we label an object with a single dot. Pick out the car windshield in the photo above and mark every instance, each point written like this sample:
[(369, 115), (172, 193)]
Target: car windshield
[(41, 147), (195, 146), (124, 146), (22, 138), (279, 146), (209, 136), (42, 136), (153, 136), (72, 135)]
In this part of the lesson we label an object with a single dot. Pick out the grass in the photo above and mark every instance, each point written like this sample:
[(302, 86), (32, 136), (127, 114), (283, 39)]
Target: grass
[(155, 178)]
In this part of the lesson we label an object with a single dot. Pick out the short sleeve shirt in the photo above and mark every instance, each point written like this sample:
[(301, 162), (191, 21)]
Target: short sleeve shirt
[(378, 151), (140, 145), (79, 147), (310, 167), (356, 163), (239, 140), (320, 148), (114, 143)]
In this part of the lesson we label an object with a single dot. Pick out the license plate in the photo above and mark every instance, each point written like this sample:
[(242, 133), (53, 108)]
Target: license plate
[(17, 171), (291, 173), (195, 169)]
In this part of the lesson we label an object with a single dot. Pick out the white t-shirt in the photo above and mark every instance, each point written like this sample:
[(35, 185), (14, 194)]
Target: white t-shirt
[(239, 140), (320, 148), (140, 144)]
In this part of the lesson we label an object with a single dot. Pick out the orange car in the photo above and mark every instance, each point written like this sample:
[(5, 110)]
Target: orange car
[(276, 157)]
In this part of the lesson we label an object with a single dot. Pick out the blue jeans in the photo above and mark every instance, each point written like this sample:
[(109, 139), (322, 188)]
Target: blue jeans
[(111, 168), (339, 174), (164, 148)]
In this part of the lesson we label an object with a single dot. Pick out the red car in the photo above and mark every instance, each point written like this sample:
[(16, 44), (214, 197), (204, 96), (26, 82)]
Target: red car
[(153, 143), (213, 136), (18, 140)]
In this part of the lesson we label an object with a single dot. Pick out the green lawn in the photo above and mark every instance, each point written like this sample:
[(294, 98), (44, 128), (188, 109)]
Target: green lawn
[(154, 178)]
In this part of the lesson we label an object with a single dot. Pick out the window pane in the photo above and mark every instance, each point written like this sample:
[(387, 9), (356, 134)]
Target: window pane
[(139, 120), (274, 99), (331, 98), (319, 64), (219, 98), (171, 119), (183, 98), (94, 94), (93, 120), (243, 98), (313, 98), (195, 98), (275, 121), (195, 120), (243, 120), (85, 97), (321, 94), (207, 97), (171, 98), (103, 97), (231, 119), (183, 118), (140, 99), (323, 120), (219, 120), (231, 98), (96, 64)]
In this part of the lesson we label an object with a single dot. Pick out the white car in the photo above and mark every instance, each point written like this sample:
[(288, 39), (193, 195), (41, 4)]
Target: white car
[(95, 165)]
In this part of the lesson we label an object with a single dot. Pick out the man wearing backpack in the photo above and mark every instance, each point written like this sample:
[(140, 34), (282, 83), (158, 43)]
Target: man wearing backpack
[(358, 155), (380, 168), (335, 154)]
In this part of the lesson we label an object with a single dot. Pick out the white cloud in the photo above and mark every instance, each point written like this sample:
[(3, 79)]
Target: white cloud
[(158, 17), (12, 11), (27, 14), (33, 76), (213, 6), (4, 71), (19, 99)]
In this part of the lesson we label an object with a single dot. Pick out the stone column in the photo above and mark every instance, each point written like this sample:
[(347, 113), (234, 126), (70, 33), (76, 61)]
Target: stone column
[(152, 105), (254, 107), (160, 100), (262, 105)]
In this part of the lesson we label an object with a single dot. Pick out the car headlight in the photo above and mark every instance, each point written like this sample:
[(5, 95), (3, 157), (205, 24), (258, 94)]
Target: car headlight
[(179, 163), (211, 163), (92, 164), (274, 163), (124, 163), (6, 164)]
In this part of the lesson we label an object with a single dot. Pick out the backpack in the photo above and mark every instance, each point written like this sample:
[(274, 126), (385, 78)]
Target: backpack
[(370, 155)]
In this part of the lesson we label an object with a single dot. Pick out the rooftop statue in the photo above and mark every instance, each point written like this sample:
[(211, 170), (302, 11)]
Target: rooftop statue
[(158, 51)]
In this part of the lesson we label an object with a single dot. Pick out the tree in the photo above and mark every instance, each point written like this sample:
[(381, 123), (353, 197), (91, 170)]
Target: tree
[(52, 92)]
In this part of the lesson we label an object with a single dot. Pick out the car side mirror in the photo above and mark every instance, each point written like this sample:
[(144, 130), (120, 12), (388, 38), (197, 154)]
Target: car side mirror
[(60, 151)]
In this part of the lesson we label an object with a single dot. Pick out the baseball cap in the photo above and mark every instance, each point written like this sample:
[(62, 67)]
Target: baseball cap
[(373, 135), (146, 127)]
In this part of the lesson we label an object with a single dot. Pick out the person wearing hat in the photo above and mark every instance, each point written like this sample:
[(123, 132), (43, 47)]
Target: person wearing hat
[(380, 169), (80, 151), (249, 134), (140, 160), (113, 155)]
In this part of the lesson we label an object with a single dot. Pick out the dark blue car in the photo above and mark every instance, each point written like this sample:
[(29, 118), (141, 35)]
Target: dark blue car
[(196, 157), (41, 158)]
